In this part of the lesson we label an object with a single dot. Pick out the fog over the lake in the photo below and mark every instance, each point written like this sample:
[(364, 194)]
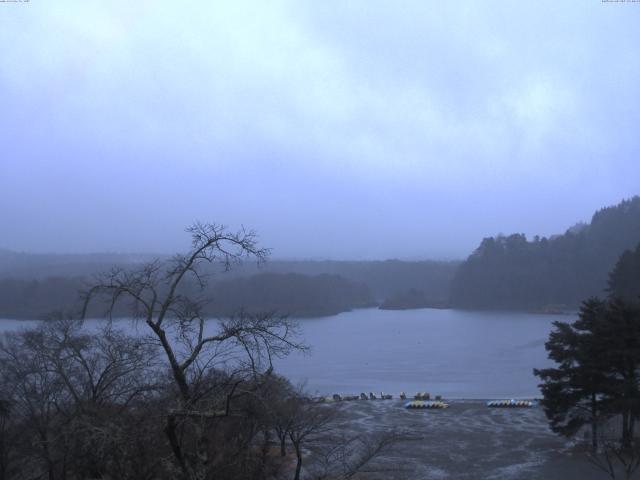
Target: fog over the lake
[(335, 129)]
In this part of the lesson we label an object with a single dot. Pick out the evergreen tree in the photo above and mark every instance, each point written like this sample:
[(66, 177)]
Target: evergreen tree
[(619, 338), (550, 273), (596, 377), (574, 392), (624, 279)]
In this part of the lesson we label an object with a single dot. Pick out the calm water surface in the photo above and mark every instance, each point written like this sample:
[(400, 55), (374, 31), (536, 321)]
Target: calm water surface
[(459, 354)]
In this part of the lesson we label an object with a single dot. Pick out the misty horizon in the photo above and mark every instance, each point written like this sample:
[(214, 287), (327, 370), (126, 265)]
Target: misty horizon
[(275, 257), (334, 131)]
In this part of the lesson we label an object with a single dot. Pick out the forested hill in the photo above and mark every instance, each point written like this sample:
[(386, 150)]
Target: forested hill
[(560, 271), (385, 279), (293, 294), (33, 285)]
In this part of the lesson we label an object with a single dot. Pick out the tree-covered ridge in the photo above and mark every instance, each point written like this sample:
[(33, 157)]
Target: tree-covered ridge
[(384, 278), (512, 272), (624, 279), (33, 285), (294, 294), (290, 293)]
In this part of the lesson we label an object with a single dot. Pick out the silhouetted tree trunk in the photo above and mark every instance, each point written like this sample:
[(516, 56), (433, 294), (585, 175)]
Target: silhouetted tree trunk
[(594, 424), (159, 298), (298, 450)]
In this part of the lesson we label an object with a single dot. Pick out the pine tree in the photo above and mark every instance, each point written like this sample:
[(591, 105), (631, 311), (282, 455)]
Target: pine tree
[(596, 378), (624, 279), (575, 391)]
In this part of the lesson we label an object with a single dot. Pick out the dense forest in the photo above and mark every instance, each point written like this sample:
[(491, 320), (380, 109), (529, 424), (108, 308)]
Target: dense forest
[(294, 294), (624, 279), (33, 285), (548, 273), (44, 265), (413, 298), (511, 272), (383, 278)]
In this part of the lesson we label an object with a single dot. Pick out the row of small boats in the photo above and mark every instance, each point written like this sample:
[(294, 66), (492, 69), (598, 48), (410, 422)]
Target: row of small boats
[(510, 404), (373, 396), (347, 398), (422, 400), (432, 405), (421, 404)]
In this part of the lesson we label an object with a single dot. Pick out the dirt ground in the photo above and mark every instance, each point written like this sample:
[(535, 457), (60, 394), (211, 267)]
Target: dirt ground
[(468, 441)]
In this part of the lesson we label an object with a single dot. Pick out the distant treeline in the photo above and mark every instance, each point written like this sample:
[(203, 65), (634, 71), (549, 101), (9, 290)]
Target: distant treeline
[(37, 299), (413, 298), (45, 265), (385, 279), (294, 294), (556, 272), (33, 285), (504, 272)]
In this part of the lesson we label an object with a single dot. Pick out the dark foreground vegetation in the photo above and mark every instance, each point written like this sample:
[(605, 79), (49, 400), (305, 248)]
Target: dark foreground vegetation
[(183, 399), (596, 383)]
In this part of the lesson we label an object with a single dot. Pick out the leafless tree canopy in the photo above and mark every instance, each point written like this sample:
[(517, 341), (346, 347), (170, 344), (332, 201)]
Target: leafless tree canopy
[(612, 457), (154, 295), (70, 399), (186, 397)]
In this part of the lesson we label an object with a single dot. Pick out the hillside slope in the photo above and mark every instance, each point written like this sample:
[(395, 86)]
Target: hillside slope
[(512, 272)]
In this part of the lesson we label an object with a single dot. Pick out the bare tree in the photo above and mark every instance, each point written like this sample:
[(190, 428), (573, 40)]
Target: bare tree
[(170, 299), (614, 458), (69, 390), (188, 398), (281, 411), (313, 427), (34, 392), (348, 457), (308, 421), (9, 439)]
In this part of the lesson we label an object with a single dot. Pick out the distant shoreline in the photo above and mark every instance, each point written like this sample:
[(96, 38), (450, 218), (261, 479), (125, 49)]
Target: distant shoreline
[(332, 313)]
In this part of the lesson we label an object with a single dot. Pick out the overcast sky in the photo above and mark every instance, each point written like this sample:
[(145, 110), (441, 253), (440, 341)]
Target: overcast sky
[(335, 129)]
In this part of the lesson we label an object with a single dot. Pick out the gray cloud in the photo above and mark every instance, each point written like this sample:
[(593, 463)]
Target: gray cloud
[(344, 130)]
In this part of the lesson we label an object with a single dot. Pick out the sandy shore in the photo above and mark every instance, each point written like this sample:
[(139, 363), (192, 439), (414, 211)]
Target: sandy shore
[(468, 441)]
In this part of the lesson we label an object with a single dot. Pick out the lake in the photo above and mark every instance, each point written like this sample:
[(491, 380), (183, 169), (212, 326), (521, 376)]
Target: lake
[(459, 354), (455, 353)]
